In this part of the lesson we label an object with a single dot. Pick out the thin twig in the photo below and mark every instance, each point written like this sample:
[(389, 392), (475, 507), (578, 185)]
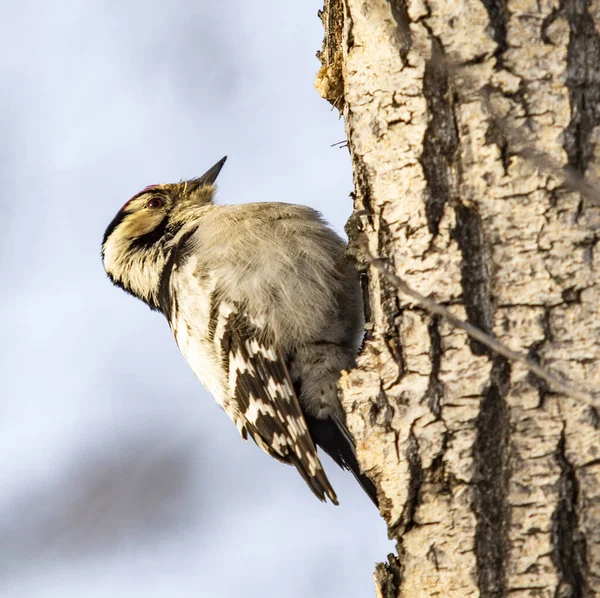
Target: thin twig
[(435, 308)]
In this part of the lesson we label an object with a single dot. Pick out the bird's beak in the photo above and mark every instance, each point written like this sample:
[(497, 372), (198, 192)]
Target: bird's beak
[(210, 176)]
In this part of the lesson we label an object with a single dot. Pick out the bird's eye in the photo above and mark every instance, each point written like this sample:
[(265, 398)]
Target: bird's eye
[(155, 202)]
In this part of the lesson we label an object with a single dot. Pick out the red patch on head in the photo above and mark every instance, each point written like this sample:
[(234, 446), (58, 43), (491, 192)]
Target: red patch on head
[(144, 190)]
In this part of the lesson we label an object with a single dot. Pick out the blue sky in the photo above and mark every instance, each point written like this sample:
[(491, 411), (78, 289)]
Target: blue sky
[(120, 475)]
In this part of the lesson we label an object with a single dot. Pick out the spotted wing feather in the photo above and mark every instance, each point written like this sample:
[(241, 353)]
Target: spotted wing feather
[(266, 404)]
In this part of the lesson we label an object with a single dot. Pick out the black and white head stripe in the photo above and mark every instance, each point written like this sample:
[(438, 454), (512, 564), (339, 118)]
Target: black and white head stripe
[(264, 402), (122, 214)]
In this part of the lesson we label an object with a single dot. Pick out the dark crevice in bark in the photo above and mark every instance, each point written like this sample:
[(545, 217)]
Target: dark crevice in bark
[(592, 417), (490, 476), (498, 15), (407, 522), (403, 36), (572, 294), (388, 577), (364, 287), (440, 144), (390, 303), (569, 554), (502, 127), (583, 82), (534, 354), (355, 227), (496, 134), (435, 389), (475, 273), (363, 206), (382, 412), (547, 22), (350, 29), (436, 474)]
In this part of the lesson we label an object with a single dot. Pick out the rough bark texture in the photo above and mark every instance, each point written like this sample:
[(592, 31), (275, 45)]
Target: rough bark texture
[(489, 482)]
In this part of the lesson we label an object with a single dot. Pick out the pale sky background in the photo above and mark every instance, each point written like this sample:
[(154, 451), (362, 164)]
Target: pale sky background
[(119, 474)]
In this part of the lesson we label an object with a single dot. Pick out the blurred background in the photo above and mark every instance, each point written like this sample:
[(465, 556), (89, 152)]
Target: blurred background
[(119, 475)]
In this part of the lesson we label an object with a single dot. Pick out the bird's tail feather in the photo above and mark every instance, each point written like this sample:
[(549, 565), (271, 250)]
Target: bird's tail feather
[(336, 441)]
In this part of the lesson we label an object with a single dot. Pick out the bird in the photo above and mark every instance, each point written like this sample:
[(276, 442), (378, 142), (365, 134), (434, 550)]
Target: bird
[(264, 306)]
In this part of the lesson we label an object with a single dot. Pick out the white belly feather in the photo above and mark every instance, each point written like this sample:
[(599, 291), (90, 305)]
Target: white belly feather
[(190, 329)]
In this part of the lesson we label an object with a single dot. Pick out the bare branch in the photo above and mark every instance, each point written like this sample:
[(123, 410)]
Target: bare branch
[(564, 387)]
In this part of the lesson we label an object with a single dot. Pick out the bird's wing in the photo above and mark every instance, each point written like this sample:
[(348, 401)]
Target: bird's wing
[(263, 403)]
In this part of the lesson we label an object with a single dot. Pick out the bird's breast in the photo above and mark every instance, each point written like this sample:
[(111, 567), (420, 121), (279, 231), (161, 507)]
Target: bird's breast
[(191, 328)]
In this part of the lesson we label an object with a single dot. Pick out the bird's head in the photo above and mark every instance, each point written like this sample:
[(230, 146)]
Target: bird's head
[(134, 248)]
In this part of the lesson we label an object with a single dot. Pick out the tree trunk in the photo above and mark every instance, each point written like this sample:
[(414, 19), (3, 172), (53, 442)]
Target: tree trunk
[(489, 481)]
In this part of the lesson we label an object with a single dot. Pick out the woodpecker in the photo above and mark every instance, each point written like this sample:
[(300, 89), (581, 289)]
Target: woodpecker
[(263, 305)]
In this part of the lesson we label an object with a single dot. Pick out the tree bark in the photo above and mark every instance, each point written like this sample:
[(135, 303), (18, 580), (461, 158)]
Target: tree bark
[(489, 481)]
